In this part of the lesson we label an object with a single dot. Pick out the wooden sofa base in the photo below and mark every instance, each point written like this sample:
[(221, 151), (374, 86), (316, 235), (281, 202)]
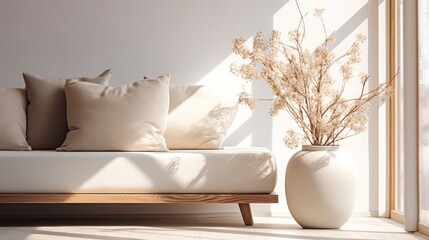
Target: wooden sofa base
[(243, 200)]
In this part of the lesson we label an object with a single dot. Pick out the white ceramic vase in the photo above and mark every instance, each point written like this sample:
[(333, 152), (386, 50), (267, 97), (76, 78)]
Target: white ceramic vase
[(321, 186)]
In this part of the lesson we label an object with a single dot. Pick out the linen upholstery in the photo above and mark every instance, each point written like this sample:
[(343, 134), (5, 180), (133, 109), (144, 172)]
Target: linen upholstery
[(200, 116), (131, 117), (13, 104), (229, 170), (46, 113)]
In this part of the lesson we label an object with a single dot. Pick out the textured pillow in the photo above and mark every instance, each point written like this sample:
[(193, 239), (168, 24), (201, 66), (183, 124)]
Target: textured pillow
[(46, 112), (200, 116), (131, 117), (13, 119)]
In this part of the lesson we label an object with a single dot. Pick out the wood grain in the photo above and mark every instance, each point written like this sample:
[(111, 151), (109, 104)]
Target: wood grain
[(137, 198), (246, 213), (397, 216), (424, 228), (243, 200)]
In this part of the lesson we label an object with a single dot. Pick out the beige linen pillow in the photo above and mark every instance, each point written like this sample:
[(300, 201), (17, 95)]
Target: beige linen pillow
[(46, 112), (200, 116), (13, 122), (131, 117)]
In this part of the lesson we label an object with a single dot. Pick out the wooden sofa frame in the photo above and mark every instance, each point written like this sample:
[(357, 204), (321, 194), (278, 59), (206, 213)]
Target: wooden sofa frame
[(243, 200)]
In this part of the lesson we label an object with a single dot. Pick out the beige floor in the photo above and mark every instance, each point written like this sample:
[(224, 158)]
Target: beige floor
[(197, 228)]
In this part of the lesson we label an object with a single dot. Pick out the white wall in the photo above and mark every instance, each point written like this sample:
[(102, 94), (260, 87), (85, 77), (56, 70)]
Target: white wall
[(192, 40), (348, 18)]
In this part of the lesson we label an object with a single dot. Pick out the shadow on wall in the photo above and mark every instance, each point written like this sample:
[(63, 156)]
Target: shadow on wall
[(186, 38), (352, 23)]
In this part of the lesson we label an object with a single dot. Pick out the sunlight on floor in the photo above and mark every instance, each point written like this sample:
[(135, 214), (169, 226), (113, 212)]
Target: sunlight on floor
[(198, 228)]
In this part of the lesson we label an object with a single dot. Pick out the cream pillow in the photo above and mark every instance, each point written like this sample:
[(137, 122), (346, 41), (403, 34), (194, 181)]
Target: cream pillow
[(131, 117), (200, 116), (13, 103), (46, 113)]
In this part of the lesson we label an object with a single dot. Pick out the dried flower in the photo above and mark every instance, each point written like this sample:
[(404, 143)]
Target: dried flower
[(292, 139), (247, 99), (303, 86), (318, 12), (347, 71)]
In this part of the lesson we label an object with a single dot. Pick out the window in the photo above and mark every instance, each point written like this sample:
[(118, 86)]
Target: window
[(423, 102), (409, 114)]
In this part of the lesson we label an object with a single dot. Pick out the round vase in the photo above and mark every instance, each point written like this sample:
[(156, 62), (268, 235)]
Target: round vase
[(321, 186)]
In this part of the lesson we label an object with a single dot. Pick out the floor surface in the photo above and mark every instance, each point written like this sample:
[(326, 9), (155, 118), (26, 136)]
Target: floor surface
[(196, 228)]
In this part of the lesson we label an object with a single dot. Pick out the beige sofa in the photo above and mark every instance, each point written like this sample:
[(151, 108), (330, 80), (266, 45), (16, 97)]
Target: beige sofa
[(144, 142)]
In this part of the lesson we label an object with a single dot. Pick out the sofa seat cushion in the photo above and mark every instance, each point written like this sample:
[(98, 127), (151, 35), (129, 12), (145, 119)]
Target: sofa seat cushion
[(230, 170)]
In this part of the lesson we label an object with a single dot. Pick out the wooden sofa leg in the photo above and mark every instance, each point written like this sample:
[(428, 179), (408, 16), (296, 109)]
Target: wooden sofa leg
[(246, 213)]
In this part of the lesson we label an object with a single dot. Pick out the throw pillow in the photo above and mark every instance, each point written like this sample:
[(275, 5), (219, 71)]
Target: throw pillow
[(131, 117), (46, 113), (13, 104), (200, 116)]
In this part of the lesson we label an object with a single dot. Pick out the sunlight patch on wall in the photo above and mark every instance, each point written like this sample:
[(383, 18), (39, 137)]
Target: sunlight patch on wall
[(345, 19), (221, 75)]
